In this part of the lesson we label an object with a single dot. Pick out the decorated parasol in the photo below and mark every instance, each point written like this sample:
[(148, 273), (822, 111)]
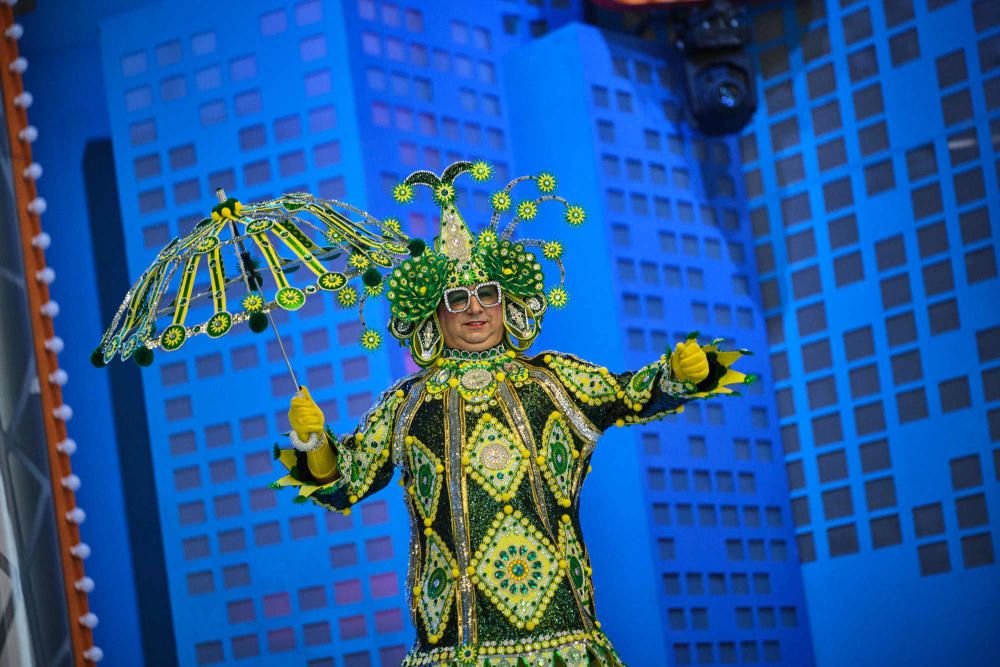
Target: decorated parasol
[(333, 241)]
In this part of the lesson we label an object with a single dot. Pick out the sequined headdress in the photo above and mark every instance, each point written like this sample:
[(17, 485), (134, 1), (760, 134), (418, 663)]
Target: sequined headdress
[(457, 258)]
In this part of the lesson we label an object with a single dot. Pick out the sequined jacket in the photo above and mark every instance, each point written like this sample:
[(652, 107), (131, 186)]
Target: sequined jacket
[(494, 451)]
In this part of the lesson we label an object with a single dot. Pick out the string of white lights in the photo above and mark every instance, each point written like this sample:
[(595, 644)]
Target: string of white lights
[(57, 377)]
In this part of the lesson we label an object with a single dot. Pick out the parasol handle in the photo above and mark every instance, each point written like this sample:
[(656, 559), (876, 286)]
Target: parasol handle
[(220, 194), (243, 261)]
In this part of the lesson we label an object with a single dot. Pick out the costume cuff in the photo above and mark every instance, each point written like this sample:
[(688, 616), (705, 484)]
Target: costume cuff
[(316, 440)]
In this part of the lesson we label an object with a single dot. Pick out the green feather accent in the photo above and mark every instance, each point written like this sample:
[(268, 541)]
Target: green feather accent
[(300, 500), (276, 452)]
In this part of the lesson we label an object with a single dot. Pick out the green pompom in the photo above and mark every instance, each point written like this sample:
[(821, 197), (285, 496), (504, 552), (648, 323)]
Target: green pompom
[(97, 358), (143, 356), (371, 277), (416, 246), (258, 322)]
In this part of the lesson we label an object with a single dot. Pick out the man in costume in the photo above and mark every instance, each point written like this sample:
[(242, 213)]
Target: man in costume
[(493, 445)]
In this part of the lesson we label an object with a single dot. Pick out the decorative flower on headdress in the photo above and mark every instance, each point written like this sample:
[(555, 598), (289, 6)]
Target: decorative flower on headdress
[(458, 258)]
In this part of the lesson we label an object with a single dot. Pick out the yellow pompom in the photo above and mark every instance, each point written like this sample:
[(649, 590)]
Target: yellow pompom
[(352, 499), (226, 212), (438, 468), (547, 358), (466, 460), (428, 531), (427, 522), (347, 512), (408, 440), (540, 460), (470, 570), (530, 625), (563, 564), (452, 382), (507, 509), (454, 571), (501, 376), (565, 518), (399, 393), (619, 422)]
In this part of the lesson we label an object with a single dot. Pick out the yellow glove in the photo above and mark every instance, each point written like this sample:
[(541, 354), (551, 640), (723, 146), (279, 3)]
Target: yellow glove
[(304, 415), (688, 362)]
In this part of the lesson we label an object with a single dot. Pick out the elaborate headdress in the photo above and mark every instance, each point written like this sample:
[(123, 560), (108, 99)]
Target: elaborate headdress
[(458, 258)]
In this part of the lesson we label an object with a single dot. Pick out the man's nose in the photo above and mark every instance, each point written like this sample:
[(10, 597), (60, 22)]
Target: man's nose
[(475, 307)]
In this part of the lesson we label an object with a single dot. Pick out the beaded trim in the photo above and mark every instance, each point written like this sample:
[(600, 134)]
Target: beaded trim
[(314, 442), (469, 355)]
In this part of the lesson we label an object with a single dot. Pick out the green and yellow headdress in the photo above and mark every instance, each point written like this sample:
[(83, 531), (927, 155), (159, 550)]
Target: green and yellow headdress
[(458, 258)]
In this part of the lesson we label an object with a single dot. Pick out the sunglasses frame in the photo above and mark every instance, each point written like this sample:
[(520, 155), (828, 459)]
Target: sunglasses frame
[(474, 291)]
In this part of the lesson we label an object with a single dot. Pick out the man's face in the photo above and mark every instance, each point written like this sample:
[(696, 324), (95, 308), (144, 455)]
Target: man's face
[(474, 329)]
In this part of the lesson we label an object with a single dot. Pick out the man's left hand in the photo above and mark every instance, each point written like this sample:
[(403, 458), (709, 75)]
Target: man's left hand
[(688, 362)]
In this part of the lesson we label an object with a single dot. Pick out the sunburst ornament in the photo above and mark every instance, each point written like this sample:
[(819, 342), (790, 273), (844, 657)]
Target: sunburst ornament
[(347, 297), (481, 171), (527, 210), (371, 340), (444, 194), (403, 193), (500, 201), (575, 215), (552, 250), (558, 297), (546, 182), (253, 303), (359, 261)]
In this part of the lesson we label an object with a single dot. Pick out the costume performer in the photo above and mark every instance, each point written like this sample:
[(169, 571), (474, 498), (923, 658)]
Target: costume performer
[(493, 444)]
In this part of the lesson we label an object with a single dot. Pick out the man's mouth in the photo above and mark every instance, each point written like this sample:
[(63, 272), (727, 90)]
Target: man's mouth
[(475, 324)]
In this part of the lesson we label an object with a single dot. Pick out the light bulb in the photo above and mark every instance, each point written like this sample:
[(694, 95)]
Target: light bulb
[(67, 446)]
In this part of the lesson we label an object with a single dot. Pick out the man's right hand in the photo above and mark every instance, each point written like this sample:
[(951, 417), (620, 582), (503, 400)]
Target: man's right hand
[(304, 415)]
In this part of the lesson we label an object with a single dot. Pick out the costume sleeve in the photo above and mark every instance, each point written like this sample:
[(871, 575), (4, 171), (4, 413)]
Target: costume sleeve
[(652, 392), (364, 461)]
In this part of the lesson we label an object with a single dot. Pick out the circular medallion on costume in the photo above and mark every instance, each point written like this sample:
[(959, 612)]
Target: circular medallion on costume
[(576, 571), (425, 480), (310, 289), (331, 281), (128, 347), (173, 337), (559, 457), (495, 456), (436, 582), (476, 379), (207, 244), (259, 226), (290, 298), (109, 351), (219, 325)]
